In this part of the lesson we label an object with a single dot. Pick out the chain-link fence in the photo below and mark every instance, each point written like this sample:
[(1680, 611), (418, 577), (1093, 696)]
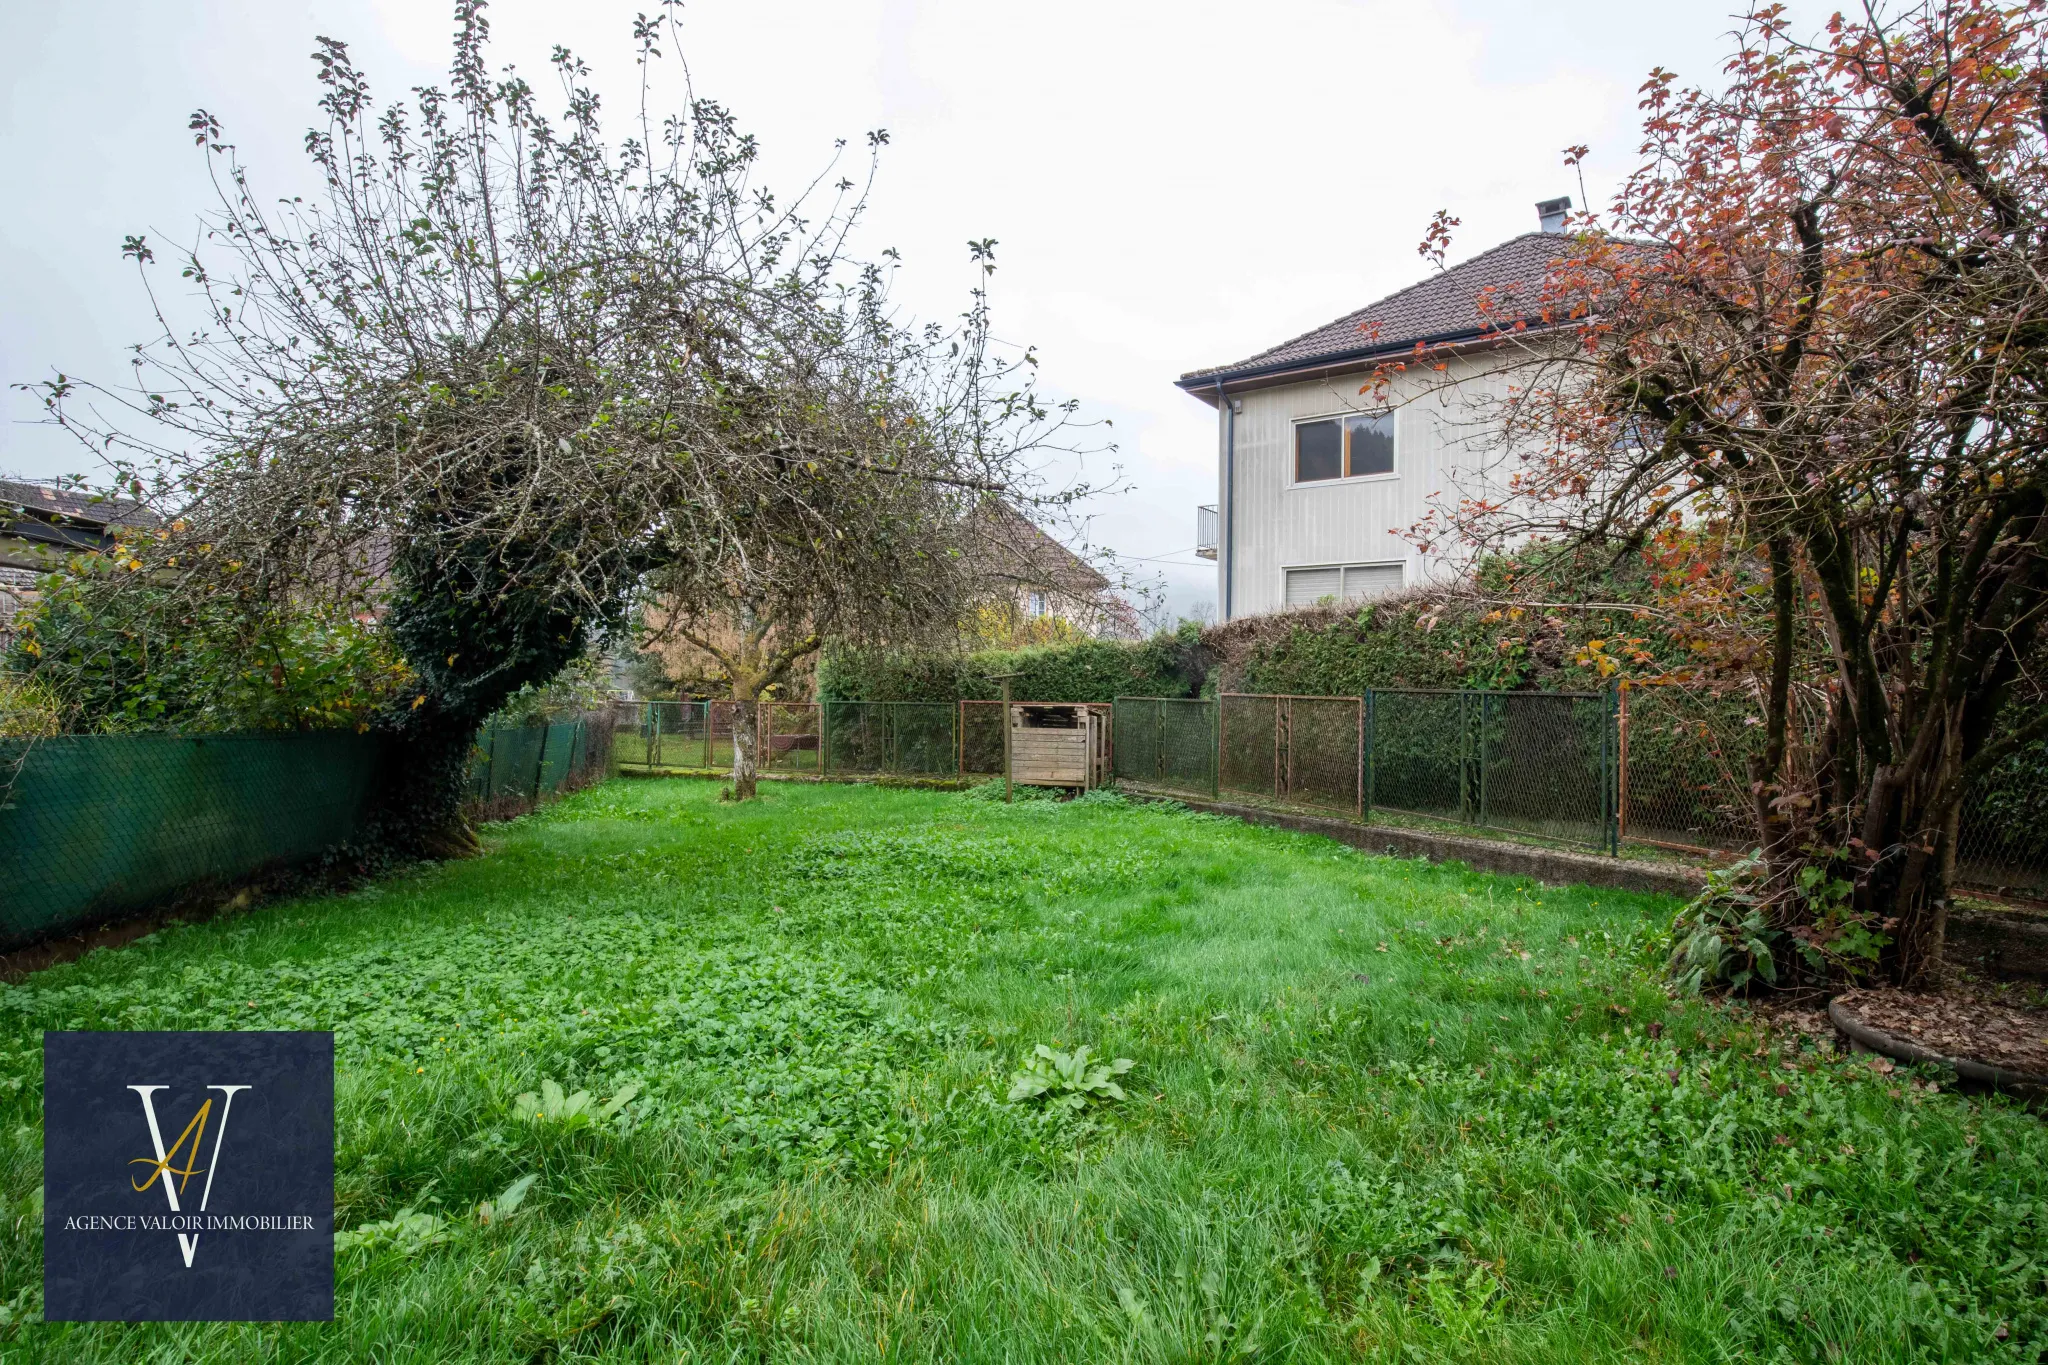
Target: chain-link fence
[(789, 737), (1686, 788), (897, 738), (1302, 749), (1165, 742), (678, 734), (2002, 844), (1542, 763), (814, 739)]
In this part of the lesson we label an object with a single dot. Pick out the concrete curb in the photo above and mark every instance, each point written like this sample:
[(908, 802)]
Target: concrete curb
[(1555, 867), (2011, 944), (1866, 1037)]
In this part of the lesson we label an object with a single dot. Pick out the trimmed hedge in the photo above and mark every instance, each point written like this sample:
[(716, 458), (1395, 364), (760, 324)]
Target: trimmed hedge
[(1171, 664)]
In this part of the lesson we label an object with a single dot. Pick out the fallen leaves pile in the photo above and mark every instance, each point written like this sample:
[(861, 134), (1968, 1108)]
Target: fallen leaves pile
[(1958, 1026)]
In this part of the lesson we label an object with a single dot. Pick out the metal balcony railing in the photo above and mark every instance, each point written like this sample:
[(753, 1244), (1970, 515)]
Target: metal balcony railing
[(1205, 532)]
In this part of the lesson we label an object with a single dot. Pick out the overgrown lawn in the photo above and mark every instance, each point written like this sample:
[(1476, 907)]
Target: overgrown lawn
[(1380, 1110)]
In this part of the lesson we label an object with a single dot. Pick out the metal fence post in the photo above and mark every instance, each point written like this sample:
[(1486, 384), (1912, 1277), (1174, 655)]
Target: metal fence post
[(1358, 770), (1486, 702), (1610, 785), (540, 762), (1621, 766), (1464, 757), (824, 738), (1277, 704), (1371, 745), (1215, 747), (650, 756)]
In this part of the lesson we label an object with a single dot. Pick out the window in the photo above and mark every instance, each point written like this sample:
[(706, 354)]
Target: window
[(1341, 582), (1344, 448), (1034, 602)]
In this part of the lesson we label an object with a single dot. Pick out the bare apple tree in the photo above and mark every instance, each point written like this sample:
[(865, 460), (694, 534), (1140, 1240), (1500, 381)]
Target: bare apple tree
[(503, 375)]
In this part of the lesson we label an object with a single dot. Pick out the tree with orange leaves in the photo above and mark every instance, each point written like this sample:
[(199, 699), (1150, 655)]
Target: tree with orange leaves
[(1819, 313)]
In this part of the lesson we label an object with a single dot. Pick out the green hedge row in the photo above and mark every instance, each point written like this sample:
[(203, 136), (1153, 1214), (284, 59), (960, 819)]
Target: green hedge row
[(1167, 665)]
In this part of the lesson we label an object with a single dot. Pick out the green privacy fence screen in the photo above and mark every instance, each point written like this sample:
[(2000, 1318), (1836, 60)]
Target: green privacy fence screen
[(512, 769), (99, 826), (95, 827)]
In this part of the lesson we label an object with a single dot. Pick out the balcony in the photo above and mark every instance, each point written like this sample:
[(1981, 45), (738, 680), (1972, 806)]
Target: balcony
[(1205, 532)]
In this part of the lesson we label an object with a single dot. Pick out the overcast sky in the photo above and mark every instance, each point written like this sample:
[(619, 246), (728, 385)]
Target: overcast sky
[(1171, 185)]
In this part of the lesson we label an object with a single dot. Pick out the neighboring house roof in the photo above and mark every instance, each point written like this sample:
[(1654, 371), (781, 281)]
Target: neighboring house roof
[(1444, 308), (58, 521), (1019, 550)]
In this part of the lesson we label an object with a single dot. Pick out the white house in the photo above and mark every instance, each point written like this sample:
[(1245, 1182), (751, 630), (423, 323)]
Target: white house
[(1317, 480)]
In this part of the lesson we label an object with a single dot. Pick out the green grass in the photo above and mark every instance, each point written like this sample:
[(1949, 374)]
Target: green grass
[(1380, 1110)]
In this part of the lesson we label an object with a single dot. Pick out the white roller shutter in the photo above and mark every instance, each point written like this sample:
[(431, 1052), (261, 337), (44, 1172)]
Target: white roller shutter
[(1306, 587), (1371, 580)]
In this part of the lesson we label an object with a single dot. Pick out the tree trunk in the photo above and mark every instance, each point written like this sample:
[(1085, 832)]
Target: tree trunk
[(1905, 887), (420, 789), (746, 718)]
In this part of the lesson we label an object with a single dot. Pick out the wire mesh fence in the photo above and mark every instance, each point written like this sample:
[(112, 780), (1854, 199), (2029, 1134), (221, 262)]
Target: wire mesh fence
[(899, 738), (2002, 841), (1685, 780), (789, 737), (1687, 788), (815, 739), (679, 734), (1165, 742), (981, 738), (1542, 763), (1301, 749)]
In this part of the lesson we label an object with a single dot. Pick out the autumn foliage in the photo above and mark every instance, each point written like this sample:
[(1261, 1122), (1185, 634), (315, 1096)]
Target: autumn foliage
[(1814, 324)]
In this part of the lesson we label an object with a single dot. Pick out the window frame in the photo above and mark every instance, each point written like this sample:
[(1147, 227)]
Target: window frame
[(1294, 427)]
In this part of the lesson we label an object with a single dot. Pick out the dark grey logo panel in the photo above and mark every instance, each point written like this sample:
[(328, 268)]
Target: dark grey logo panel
[(188, 1177)]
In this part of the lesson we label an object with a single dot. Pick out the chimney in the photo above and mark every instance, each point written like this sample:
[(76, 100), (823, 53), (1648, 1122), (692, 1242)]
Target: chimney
[(1550, 213)]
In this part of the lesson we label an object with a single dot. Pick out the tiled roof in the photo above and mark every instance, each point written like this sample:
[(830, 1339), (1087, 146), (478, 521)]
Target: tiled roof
[(1443, 306), (70, 508), (1019, 550)]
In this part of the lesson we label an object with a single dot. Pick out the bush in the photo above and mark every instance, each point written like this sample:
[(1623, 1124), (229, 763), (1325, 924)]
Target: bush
[(117, 654), (1170, 664), (28, 709), (583, 686)]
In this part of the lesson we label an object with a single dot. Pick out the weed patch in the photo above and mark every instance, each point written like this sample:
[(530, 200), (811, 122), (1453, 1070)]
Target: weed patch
[(664, 1078)]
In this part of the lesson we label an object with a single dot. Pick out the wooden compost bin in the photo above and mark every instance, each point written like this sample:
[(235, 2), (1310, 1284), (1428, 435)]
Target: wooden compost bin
[(1057, 745)]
